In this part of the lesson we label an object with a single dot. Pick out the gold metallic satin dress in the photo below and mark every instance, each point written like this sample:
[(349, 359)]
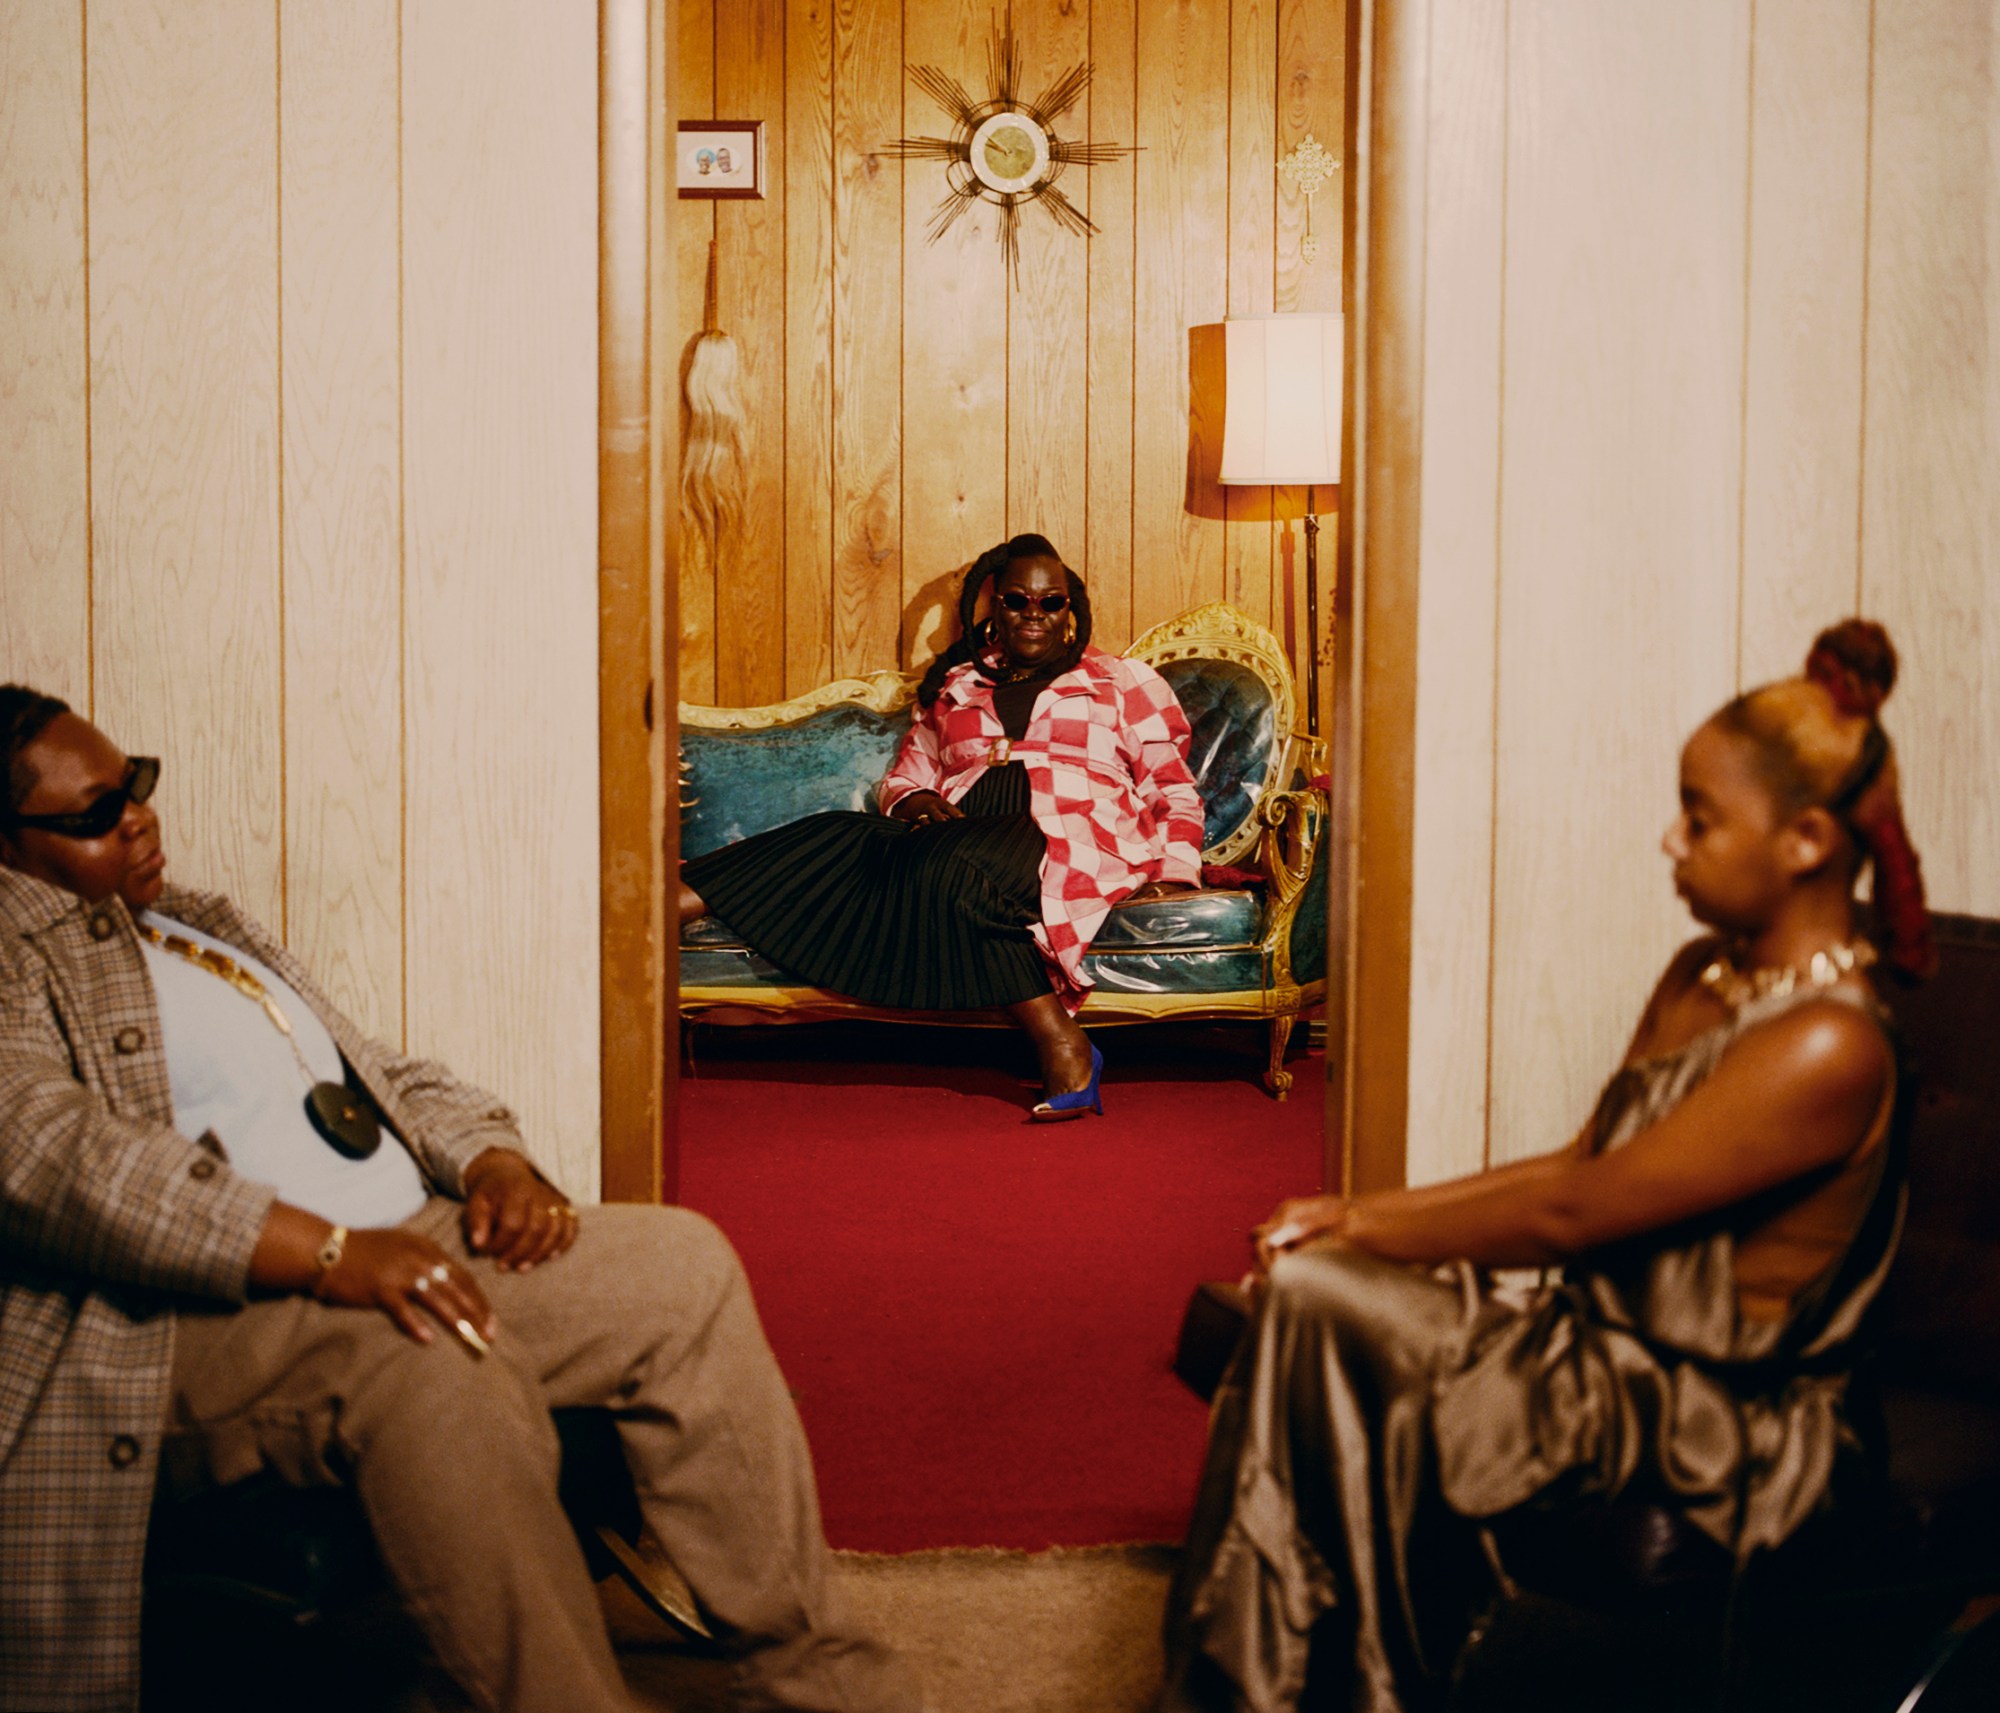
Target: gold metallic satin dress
[(1374, 1408)]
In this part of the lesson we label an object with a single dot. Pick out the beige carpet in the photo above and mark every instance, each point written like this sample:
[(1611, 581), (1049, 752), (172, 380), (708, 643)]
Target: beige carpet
[(1074, 1631)]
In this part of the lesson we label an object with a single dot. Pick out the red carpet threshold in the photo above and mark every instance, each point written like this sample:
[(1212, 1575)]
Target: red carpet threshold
[(977, 1314)]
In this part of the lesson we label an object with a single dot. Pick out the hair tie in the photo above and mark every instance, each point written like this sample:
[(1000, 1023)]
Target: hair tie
[(1866, 770), (1899, 896)]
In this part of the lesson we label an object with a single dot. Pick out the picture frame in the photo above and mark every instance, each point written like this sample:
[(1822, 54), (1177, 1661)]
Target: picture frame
[(720, 159)]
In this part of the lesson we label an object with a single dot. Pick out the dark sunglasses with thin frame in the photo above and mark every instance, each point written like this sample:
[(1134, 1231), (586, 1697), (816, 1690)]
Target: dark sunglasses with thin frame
[(1016, 602), (142, 773)]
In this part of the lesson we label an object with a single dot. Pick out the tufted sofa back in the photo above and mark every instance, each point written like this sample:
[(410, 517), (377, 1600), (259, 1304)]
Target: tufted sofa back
[(747, 770)]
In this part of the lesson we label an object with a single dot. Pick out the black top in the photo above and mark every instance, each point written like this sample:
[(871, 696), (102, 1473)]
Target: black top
[(1015, 704)]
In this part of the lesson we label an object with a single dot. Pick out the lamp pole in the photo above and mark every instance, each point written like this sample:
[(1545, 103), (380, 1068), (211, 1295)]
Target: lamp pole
[(1312, 616)]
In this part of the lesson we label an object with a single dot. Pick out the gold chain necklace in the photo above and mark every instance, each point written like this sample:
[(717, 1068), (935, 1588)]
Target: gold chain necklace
[(333, 1109), (1736, 988)]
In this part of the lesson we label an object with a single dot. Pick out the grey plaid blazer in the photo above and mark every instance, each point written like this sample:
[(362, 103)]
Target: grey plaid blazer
[(107, 1214)]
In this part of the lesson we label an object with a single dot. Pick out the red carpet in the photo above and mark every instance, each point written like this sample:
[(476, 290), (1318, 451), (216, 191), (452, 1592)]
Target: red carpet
[(977, 1314)]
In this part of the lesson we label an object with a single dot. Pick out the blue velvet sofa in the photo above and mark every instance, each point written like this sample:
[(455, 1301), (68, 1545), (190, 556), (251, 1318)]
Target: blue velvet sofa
[(1253, 949)]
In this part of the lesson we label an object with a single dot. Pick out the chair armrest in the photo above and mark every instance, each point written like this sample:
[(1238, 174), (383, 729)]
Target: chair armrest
[(1292, 824)]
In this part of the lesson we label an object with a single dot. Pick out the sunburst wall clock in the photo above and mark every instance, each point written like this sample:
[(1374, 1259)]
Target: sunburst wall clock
[(1004, 150)]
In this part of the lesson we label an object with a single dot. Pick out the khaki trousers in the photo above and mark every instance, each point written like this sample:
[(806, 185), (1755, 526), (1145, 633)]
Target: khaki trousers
[(454, 1459)]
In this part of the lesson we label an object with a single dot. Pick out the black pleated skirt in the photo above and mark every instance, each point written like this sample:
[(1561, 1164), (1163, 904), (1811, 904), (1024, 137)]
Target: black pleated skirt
[(930, 918)]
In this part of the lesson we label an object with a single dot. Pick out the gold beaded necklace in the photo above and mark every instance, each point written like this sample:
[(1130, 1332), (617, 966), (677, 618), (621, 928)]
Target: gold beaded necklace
[(342, 1119), (1736, 988)]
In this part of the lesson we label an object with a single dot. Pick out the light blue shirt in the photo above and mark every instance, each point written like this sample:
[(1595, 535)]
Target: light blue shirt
[(232, 1073)]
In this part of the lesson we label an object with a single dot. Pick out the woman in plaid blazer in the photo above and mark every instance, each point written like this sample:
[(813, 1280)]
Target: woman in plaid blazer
[(154, 1299), (1042, 782)]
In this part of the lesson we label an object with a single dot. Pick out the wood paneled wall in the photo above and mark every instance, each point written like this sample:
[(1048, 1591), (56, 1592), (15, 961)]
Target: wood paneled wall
[(1710, 361), (298, 375), (908, 407)]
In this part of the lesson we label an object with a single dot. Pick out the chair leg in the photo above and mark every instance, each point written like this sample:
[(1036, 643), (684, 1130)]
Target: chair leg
[(1276, 1078)]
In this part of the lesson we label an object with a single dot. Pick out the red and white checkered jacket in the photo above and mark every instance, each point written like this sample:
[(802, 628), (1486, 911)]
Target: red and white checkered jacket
[(1106, 753)]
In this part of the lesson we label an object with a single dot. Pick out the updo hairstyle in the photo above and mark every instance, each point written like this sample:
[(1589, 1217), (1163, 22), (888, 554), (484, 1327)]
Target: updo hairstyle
[(975, 635), (1819, 744)]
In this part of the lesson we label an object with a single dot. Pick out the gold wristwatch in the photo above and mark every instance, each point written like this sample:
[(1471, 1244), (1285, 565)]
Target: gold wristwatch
[(329, 1255)]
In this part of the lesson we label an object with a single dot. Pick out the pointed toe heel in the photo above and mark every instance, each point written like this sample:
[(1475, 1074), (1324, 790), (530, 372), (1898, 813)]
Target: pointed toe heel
[(1058, 1107)]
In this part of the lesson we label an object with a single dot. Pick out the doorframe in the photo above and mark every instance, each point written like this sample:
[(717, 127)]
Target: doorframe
[(1373, 719), (638, 526), (1371, 689)]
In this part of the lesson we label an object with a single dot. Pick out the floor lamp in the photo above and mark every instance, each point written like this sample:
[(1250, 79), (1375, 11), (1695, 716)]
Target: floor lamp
[(1281, 428)]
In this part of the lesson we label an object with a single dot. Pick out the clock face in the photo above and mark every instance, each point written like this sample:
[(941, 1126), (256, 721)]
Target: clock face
[(1010, 153)]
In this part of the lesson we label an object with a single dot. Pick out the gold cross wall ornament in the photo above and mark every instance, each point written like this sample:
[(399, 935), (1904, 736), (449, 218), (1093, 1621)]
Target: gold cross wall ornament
[(1305, 169)]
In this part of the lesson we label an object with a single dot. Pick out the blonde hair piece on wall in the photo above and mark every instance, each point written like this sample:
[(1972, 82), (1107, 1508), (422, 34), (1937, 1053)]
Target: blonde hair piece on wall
[(714, 430)]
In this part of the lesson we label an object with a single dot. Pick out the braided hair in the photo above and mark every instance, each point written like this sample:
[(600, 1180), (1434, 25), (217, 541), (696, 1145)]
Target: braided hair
[(24, 715), (1819, 743), (975, 635)]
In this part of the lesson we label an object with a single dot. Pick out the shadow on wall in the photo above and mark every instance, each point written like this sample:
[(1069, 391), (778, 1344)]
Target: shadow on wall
[(930, 620)]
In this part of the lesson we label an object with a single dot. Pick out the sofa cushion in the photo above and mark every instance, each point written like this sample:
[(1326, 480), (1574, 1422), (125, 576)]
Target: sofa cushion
[(1178, 922), (1182, 920), (1194, 972), (1186, 943)]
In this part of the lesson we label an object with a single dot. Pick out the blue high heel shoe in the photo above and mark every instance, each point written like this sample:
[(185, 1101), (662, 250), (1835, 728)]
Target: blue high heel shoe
[(1077, 1102)]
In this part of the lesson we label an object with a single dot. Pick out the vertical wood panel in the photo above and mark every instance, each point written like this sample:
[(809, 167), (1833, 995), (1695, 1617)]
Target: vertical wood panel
[(954, 309), (500, 410), (342, 501), (927, 408), (1047, 363), (638, 537), (1612, 632), (1182, 274), (1802, 388), (1114, 118), (183, 110), (1248, 538), (1312, 81), (808, 168), (1619, 531), (867, 284), (1312, 100), (44, 452), (692, 236), (1452, 879), (750, 584), (1931, 539)]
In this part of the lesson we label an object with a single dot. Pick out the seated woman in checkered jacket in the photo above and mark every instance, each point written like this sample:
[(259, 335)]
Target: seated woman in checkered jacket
[(1042, 782)]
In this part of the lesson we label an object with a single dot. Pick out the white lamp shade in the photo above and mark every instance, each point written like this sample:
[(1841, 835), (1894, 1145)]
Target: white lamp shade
[(1281, 405)]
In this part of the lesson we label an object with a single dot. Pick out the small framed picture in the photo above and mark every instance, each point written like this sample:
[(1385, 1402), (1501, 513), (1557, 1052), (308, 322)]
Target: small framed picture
[(720, 157)]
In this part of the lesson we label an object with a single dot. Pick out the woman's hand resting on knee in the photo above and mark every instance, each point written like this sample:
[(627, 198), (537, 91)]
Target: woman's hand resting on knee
[(1302, 1219), (922, 807), (407, 1277), (513, 1213), (404, 1275)]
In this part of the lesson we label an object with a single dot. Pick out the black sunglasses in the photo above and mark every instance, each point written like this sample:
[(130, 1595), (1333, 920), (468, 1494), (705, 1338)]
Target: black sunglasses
[(142, 773), (1016, 602)]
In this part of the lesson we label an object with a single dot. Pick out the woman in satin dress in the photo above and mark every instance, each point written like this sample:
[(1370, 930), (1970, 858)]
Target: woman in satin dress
[(1719, 1225)]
